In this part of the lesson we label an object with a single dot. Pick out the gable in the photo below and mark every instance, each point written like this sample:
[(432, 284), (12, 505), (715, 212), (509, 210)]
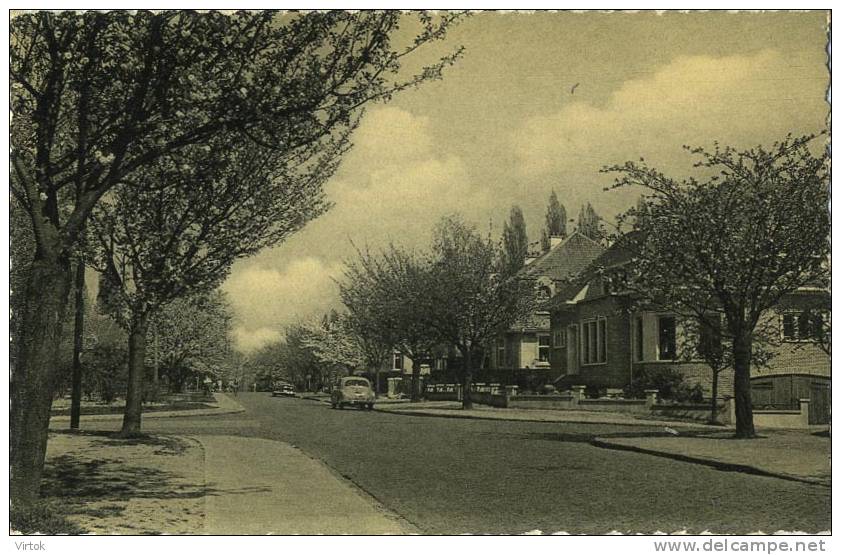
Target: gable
[(565, 260)]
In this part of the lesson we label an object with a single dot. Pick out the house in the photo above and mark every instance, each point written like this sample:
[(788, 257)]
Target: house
[(395, 376), (527, 345), (602, 338)]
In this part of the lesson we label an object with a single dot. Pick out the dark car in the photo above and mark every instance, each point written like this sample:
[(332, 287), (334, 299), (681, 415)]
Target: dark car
[(283, 389), (353, 391)]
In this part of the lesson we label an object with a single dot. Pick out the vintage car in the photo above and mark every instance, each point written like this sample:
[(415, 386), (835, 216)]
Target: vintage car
[(283, 389), (353, 390)]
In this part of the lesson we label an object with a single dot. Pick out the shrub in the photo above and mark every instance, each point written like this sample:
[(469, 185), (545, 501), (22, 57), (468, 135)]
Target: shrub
[(670, 384)]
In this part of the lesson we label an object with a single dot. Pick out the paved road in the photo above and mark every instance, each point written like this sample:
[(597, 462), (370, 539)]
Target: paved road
[(478, 476)]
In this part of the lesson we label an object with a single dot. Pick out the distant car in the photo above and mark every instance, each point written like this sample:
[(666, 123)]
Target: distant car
[(283, 390), (353, 391)]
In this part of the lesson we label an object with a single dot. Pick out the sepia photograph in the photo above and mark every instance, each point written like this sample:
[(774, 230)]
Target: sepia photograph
[(401, 272)]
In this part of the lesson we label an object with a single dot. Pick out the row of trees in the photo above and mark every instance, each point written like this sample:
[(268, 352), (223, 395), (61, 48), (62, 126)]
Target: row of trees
[(515, 239), (159, 148), (457, 295)]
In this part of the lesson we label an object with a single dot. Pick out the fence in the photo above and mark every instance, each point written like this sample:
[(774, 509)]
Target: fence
[(498, 395)]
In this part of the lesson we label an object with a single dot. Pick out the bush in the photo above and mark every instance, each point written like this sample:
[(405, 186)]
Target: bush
[(669, 383)]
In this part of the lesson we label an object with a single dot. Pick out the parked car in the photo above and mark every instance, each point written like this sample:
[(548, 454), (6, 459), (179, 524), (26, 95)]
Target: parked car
[(353, 391), (283, 389)]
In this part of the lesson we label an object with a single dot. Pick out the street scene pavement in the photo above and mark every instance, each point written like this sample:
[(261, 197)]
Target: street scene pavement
[(299, 465)]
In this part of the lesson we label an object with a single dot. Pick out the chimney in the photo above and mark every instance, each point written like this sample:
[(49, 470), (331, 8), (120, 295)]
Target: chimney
[(555, 240)]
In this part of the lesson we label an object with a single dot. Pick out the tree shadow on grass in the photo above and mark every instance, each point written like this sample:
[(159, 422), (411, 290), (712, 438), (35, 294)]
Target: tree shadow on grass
[(167, 445), (80, 483)]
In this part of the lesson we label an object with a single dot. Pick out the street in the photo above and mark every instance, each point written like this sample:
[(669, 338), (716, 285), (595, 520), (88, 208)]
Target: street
[(451, 476)]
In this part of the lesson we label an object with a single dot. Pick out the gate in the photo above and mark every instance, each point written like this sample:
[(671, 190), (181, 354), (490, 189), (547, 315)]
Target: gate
[(819, 407)]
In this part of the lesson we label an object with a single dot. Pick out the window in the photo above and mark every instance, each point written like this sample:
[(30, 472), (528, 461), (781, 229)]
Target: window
[(802, 326), (638, 339), (544, 292), (500, 352), (666, 335), (594, 341), (559, 339), (543, 347), (440, 363), (398, 361)]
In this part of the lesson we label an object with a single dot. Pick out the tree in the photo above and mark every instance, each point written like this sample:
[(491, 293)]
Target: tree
[(386, 296), (97, 96), (556, 221), (192, 337), (471, 299), (753, 228), (514, 240), (298, 361), (178, 229), (332, 343), (704, 340), (589, 222)]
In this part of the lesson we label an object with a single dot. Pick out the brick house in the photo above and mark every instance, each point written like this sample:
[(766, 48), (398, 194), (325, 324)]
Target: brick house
[(601, 338), (527, 345)]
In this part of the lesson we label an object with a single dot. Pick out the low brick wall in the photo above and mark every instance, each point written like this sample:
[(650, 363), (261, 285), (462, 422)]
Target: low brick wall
[(442, 392), (634, 406), (700, 412), (798, 419), (506, 397), (557, 402), (490, 399)]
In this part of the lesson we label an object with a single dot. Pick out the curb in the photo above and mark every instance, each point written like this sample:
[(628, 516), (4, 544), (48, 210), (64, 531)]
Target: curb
[(718, 465), (163, 414), (160, 414), (476, 417), (411, 528)]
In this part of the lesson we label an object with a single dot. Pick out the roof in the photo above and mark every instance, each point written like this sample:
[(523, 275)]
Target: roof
[(619, 253), (567, 259)]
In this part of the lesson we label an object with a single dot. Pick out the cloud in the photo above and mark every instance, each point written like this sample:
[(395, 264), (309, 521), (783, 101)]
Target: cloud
[(740, 100), (252, 340), (393, 186), (266, 300)]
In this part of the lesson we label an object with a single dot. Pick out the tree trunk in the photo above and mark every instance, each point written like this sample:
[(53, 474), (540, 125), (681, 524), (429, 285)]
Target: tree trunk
[(34, 378), (416, 368), (136, 375), (78, 344), (467, 380), (742, 344), (714, 402)]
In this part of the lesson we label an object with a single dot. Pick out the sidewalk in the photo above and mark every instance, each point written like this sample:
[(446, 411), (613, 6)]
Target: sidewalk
[(204, 484), (790, 454), (259, 486), (225, 405), (452, 409)]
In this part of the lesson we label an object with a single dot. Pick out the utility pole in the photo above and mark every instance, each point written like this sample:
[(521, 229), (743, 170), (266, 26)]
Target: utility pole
[(78, 345), (155, 340)]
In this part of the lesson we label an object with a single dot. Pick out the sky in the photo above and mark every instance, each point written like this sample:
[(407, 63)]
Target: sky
[(540, 102)]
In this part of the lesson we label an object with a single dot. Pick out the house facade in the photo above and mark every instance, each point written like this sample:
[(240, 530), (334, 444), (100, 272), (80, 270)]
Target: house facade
[(527, 345), (602, 338)]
